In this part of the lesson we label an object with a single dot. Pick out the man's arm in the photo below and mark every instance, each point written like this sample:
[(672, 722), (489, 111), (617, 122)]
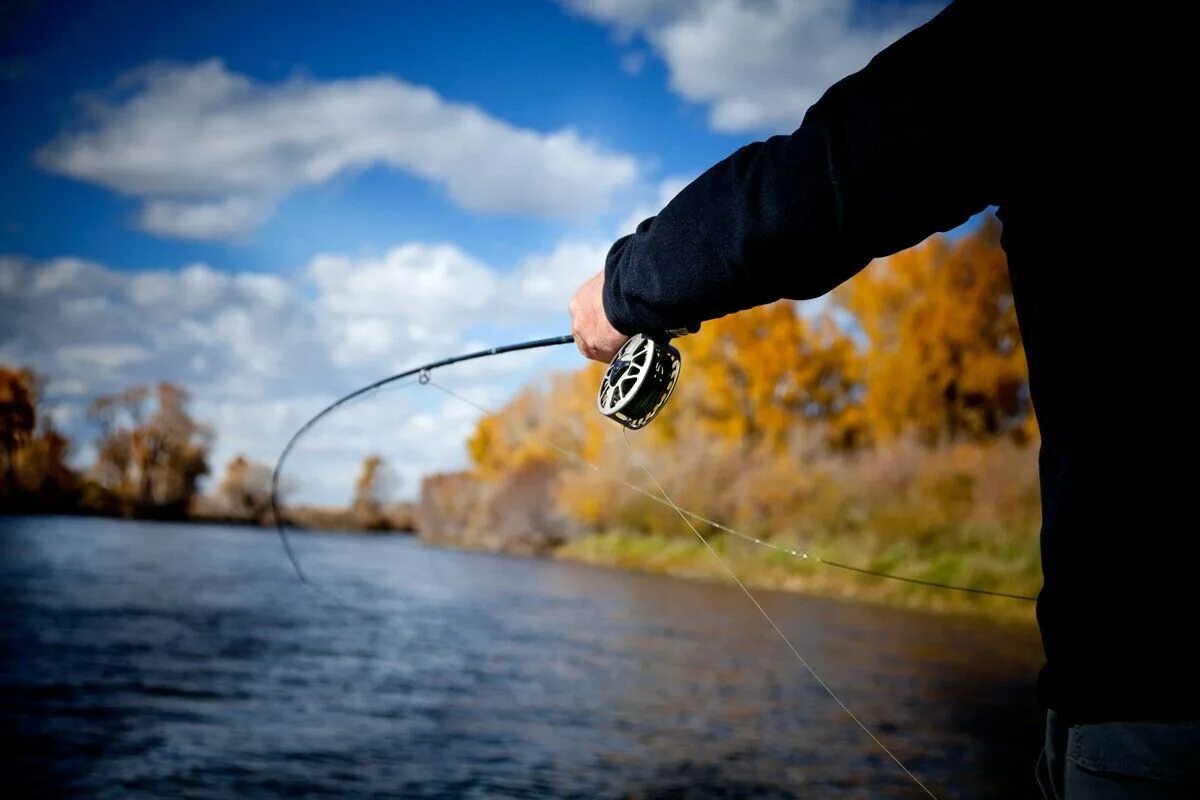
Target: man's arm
[(911, 145)]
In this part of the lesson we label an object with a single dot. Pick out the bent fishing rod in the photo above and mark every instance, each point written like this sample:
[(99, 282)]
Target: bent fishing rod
[(634, 390), (423, 371)]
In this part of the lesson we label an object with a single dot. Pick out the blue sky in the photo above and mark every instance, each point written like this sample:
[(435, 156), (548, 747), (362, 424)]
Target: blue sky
[(272, 202), (526, 62)]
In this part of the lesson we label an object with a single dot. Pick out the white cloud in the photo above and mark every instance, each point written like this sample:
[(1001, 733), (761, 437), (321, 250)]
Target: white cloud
[(552, 278), (204, 220), (260, 353), (105, 357), (418, 431), (545, 279), (439, 284), (758, 64), (211, 152), (108, 328)]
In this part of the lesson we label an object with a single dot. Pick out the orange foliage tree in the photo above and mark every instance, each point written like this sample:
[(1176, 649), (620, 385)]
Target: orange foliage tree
[(758, 375), (943, 357), (33, 470), (520, 434), (245, 490), (150, 456), (371, 491)]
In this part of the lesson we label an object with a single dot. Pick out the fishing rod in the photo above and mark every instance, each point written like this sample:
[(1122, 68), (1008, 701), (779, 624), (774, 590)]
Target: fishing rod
[(421, 371), (636, 386)]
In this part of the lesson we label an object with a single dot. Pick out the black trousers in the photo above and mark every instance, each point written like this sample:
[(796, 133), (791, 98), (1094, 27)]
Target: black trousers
[(1120, 761)]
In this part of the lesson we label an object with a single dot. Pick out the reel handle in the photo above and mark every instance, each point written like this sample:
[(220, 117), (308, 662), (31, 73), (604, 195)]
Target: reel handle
[(664, 337)]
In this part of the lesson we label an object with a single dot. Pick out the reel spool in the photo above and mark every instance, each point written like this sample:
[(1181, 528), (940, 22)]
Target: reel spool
[(639, 381)]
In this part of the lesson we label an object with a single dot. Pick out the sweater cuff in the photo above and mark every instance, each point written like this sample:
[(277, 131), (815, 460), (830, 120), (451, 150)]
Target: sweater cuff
[(616, 308)]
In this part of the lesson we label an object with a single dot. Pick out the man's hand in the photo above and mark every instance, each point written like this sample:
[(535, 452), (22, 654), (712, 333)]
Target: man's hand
[(594, 335)]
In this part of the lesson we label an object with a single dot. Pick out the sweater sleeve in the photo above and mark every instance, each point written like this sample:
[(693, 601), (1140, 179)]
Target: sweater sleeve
[(912, 144)]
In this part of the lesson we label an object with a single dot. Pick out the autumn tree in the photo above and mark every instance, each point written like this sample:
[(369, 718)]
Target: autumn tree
[(33, 471), (18, 416), (539, 423), (944, 357), (750, 383), (245, 489), (371, 491), (150, 454), (757, 376)]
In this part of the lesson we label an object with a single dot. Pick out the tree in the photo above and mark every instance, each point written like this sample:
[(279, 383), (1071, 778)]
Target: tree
[(18, 416), (526, 431), (944, 358), (767, 371), (245, 489), (33, 456), (151, 460), (371, 491)]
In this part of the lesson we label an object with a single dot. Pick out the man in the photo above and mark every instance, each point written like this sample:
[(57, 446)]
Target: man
[(1070, 126)]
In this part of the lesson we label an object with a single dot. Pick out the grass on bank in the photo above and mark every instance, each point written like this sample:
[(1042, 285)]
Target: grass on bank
[(977, 563)]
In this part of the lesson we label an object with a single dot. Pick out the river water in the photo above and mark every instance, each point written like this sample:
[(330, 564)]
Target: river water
[(150, 660)]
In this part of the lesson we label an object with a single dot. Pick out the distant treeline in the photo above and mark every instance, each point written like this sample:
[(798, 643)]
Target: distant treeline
[(150, 456)]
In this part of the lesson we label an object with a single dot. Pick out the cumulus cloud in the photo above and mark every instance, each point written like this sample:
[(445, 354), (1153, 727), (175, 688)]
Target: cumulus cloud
[(211, 152), (104, 329), (414, 294), (758, 64), (552, 278), (417, 430), (204, 220), (260, 352)]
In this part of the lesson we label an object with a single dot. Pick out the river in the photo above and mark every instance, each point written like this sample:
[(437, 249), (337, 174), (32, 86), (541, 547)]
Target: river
[(154, 660)]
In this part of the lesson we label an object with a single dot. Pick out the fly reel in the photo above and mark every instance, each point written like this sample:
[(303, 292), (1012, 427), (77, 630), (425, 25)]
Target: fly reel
[(639, 381)]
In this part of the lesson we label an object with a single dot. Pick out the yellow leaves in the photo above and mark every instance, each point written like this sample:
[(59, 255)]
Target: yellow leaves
[(150, 454), (33, 455), (944, 356), (18, 406), (521, 434), (755, 376), (483, 444), (504, 440)]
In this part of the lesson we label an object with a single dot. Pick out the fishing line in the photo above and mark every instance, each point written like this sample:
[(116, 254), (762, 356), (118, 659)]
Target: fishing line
[(802, 555), (665, 498), (729, 570)]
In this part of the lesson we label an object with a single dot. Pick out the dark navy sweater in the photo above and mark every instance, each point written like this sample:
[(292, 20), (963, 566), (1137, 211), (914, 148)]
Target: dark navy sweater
[(1071, 124)]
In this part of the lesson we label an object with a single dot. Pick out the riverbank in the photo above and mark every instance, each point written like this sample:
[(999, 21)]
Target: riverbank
[(1017, 570), (1014, 568), (393, 518)]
